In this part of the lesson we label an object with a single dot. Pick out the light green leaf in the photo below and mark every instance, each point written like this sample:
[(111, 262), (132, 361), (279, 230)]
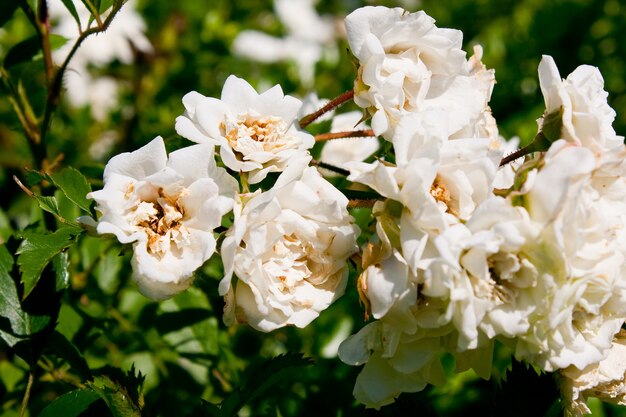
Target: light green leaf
[(37, 250), (70, 404), (74, 185), (49, 204)]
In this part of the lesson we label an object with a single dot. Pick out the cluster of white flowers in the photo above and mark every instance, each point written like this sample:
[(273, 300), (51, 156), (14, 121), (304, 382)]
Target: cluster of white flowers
[(455, 264), (290, 238), (465, 251)]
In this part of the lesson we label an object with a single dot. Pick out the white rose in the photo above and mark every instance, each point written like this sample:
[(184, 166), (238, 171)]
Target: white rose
[(395, 362), (409, 65), (587, 118), (257, 133), (167, 208), (580, 293), (605, 380), (288, 248)]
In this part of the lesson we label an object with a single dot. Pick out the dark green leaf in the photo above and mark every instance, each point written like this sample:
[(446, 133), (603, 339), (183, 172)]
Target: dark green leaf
[(22, 52), (15, 323), (120, 393), (7, 8), (33, 177), (69, 5), (66, 350), (172, 321), (70, 404), (522, 378), (36, 251), (60, 265), (12, 318), (260, 378), (74, 185)]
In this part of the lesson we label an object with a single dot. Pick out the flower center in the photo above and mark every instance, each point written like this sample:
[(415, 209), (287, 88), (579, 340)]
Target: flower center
[(289, 263), (439, 191), (267, 132), (161, 220)]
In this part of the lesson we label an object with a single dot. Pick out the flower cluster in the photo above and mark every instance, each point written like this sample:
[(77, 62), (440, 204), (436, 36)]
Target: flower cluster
[(456, 264), (289, 241), (468, 246)]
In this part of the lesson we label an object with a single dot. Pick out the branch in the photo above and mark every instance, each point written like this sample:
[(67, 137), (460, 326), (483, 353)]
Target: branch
[(343, 135), (334, 103), (329, 167)]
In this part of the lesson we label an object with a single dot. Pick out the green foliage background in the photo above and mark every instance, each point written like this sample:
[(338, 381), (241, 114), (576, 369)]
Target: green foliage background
[(83, 333)]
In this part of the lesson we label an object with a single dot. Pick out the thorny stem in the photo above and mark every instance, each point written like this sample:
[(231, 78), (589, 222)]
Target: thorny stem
[(519, 153), (43, 22), (342, 135), (29, 387), (334, 103), (329, 167)]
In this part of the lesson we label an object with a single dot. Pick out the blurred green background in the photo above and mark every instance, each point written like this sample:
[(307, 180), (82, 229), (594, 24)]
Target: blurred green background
[(181, 345)]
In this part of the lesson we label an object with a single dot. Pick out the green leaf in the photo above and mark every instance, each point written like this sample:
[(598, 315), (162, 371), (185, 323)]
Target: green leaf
[(15, 323), (74, 185), (105, 5), (122, 395), (56, 41), (7, 8), (70, 404), (30, 49), (69, 5), (60, 265), (176, 320), (260, 378), (49, 204), (36, 251), (22, 51), (66, 350)]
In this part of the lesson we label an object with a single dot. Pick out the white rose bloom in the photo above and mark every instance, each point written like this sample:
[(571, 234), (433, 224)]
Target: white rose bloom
[(168, 209), (288, 248), (257, 133), (587, 117), (337, 152), (605, 380), (580, 295), (409, 65), (125, 34), (438, 180), (395, 362)]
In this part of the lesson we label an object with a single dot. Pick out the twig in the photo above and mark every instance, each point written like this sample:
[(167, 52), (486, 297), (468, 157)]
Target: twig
[(29, 387), (336, 102), (342, 135), (329, 167)]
